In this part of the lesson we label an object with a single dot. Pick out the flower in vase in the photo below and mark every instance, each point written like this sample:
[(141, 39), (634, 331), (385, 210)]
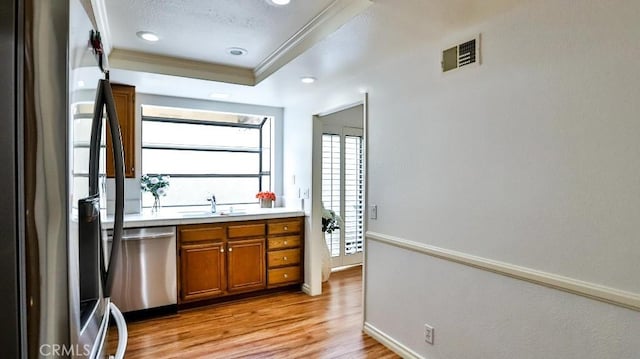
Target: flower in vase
[(266, 195), (155, 184)]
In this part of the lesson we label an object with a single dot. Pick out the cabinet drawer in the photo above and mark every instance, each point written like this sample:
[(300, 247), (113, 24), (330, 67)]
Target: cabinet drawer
[(292, 226), (283, 258), (197, 233), (283, 275), (284, 242), (246, 230)]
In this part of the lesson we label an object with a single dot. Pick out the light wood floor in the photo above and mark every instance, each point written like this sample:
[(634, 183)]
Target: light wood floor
[(284, 325)]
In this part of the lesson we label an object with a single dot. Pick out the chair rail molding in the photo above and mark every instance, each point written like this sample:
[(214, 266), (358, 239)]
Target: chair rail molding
[(594, 291)]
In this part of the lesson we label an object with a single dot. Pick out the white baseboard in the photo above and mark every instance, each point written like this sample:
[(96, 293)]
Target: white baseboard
[(306, 289), (390, 343)]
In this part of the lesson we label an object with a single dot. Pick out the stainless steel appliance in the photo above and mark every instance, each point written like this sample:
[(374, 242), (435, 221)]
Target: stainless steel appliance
[(145, 276), (91, 267), (12, 256), (57, 189)]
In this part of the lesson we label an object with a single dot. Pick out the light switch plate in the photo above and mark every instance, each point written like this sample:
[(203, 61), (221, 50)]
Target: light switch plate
[(373, 212)]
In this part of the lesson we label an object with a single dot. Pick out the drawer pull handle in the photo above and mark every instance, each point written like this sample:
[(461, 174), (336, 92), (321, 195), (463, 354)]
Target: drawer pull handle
[(286, 228), (286, 276), (221, 249), (230, 249), (285, 243), (284, 258)]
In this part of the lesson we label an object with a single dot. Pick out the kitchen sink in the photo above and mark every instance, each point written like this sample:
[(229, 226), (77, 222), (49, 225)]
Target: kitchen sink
[(234, 213), (197, 213), (200, 213)]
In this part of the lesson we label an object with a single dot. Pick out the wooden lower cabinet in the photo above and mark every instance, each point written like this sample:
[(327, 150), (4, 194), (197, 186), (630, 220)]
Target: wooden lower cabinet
[(202, 270), (285, 252), (221, 259), (246, 265), (285, 275)]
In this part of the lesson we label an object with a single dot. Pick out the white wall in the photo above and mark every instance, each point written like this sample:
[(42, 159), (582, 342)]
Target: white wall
[(531, 159), (479, 314), (350, 117), (298, 129)]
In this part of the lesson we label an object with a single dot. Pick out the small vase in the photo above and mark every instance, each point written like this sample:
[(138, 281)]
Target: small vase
[(326, 259), (265, 203), (156, 204)]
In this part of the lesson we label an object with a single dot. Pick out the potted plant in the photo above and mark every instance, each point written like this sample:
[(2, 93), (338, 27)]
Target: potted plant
[(331, 221), (157, 185), (266, 199)]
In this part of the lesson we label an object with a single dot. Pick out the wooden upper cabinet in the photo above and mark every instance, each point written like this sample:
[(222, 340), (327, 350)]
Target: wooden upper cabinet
[(125, 100)]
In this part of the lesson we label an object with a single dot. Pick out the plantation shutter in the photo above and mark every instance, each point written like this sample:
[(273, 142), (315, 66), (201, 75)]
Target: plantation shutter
[(331, 185), (353, 194)]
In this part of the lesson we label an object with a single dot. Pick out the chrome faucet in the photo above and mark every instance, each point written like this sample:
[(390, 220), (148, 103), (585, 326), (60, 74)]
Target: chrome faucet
[(212, 199)]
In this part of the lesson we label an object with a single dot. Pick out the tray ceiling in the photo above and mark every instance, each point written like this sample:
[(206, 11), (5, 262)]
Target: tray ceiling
[(195, 34)]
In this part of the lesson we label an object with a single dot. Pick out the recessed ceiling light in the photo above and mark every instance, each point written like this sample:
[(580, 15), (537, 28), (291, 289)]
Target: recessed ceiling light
[(308, 79), (237, 51), (148, 36), (218, 95), (279, 2)]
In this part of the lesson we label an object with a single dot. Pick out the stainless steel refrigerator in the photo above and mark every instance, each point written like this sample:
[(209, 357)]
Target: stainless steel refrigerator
[(60, 271)]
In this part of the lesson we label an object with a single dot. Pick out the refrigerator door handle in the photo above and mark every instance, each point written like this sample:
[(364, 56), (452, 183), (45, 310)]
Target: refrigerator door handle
[(96, 139), (118, 156), (123, 335)]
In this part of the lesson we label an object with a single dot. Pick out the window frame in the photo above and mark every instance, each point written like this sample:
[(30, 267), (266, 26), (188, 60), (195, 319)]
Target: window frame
[(260, 151)]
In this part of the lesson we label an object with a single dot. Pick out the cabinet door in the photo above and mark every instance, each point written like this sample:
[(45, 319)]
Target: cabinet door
[(246, 265), (202, 273), (125, 100)]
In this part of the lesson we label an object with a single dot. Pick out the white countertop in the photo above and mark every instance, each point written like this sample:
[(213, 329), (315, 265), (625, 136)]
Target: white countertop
[(178, 216)]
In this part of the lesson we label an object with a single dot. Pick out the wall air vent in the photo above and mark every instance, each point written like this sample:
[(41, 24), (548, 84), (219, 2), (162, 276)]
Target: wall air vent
[(461, 55)]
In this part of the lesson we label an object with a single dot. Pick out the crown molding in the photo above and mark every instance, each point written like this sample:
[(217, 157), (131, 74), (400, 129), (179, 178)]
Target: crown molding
[(328, 21), (167, 65)]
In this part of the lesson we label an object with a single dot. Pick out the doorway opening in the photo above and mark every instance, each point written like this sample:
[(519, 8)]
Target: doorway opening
[(342, 176)]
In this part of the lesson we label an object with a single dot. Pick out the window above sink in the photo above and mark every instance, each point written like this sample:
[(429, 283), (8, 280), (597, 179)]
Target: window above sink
[(207, 152)]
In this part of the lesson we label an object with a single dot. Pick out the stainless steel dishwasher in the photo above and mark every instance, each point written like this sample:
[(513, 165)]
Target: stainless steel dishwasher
[(145, 276)]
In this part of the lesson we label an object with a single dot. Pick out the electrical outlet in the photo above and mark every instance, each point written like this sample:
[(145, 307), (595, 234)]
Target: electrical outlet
[(429, 333), (373, 212)]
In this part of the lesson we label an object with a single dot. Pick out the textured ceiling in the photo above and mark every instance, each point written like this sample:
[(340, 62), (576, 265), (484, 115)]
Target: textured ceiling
[(203, 29), (348, 61)]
